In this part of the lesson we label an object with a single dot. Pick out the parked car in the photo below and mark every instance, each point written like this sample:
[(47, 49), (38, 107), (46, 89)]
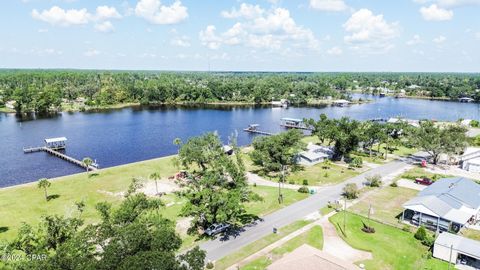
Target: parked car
[(216, 228), (424, 181)]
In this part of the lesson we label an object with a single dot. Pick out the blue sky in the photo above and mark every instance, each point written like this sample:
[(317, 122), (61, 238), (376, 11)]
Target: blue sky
[(262, 35)]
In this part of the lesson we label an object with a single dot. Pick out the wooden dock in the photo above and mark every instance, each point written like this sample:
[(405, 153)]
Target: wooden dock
[(296, 127), (59, 155), (255, 131)]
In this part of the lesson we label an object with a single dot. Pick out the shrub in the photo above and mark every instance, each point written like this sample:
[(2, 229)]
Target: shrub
[(326, 174), (350, 191), (356, 162), (305, 182), (474, 123), (421, 233), (428, 241), (303, 189), (368, 229), (374, 180), (254, 184), (394, 184), (209, 265), (291, 182), (406, 228)]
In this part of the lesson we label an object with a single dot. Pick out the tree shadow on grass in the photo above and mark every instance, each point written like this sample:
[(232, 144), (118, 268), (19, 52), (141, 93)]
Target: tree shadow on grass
[(3, 229), (92, 175), (52, 197)]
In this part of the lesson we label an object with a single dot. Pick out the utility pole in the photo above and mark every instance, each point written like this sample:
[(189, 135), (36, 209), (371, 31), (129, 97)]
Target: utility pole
[(345, 217), (282, 179), (450, 258)]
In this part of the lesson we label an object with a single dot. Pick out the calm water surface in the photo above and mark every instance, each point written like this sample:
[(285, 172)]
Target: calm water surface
[(134, 134)]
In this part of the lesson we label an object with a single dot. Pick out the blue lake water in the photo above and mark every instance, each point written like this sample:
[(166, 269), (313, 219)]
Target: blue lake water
[(133, 134)]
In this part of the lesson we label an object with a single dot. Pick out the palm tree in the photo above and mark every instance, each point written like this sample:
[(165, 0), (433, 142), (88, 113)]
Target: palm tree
[(87, 162), (44, 183), (155, 176)]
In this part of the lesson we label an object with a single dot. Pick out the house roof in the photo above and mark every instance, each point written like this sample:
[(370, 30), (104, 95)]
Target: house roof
[(461, 244), (292, 119), (54, 140), (453, 199), (307, 257), (313, 155)]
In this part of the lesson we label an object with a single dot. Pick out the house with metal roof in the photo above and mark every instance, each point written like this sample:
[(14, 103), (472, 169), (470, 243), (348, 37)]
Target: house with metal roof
[(315, 154), (447, 205), (457, 250)]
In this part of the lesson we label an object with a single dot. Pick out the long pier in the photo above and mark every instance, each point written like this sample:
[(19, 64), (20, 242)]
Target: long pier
[(59, 155), (258, 132)]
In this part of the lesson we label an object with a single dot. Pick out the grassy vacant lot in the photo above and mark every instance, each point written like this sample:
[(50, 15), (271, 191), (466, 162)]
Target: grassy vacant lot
[(313, 237), (386, 203), (419, 172), (472, 234), (26, 203), (258, 245), (318, 176), (391, 248)]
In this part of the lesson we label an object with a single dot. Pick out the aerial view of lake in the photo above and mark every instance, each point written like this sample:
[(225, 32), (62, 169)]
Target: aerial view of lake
[(133, 134)]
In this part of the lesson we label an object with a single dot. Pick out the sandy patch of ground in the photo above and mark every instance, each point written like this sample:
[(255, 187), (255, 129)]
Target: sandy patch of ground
[(164, 186), (183, 224)]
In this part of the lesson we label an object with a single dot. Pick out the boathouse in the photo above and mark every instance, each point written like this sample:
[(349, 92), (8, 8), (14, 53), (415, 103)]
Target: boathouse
[(56, 143), (341, 103), (466, 99)]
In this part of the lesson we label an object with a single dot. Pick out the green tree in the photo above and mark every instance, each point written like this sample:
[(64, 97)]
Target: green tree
[(435, 140), (155, 176), (350, 191), (272, 153), (44, 184), (87, 162)]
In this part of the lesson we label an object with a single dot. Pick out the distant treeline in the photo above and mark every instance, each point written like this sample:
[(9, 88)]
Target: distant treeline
[(46, 90)]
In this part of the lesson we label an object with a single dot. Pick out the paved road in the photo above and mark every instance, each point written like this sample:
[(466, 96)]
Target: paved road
[(219, 248)]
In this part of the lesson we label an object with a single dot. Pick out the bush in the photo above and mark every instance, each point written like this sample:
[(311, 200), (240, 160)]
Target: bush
[(421, 233), (428, 241), (368, 229), (474, 123), (305, 182), (356, 162), (406, 228), (394, 184), (374, 180), (254, 184), (326, 174), (350, 191), (303, 189), (291, 182), (209, 265)]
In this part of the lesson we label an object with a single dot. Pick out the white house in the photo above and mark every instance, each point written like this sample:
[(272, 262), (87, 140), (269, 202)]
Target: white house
[(315, 154), (457, 249), (10, 104), (470, 160), (447, 205)]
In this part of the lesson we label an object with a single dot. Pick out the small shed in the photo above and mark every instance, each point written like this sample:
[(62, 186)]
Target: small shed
[(457, 250), (56, 143)]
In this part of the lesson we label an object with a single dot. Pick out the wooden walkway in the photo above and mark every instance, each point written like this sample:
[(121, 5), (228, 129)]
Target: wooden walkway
[(59, 155), (258, 132)]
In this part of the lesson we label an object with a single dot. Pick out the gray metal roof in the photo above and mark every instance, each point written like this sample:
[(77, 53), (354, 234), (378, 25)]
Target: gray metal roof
[(455, 191), (54, 140), (461, 244)]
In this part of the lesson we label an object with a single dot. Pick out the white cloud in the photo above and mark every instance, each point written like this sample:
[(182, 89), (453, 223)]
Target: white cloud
[(182, 41), (335, 51), (414, 41), (370, 32), (259, 28), (106, 12), (91, 53), (246, 11), (104, 27), (439, 39), (42, 30), (209, 38), (477, 35), (328, 5), (156, 13), (58, 16), (436, 13)]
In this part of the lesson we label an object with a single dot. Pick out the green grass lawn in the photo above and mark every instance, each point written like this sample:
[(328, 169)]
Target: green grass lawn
[(312, 237), (318, 176), (26, 203), (472, 234), (391, 248), (419, 172), (386, 203), (256, 246)]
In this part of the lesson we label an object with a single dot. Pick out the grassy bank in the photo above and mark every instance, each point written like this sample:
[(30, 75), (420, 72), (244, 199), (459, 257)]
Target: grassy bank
[(6, 110), (391, 248), (259, 245), (26, 203)]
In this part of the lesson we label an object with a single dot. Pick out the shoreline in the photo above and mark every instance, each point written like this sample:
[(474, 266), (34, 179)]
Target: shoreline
[(59, 178)]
